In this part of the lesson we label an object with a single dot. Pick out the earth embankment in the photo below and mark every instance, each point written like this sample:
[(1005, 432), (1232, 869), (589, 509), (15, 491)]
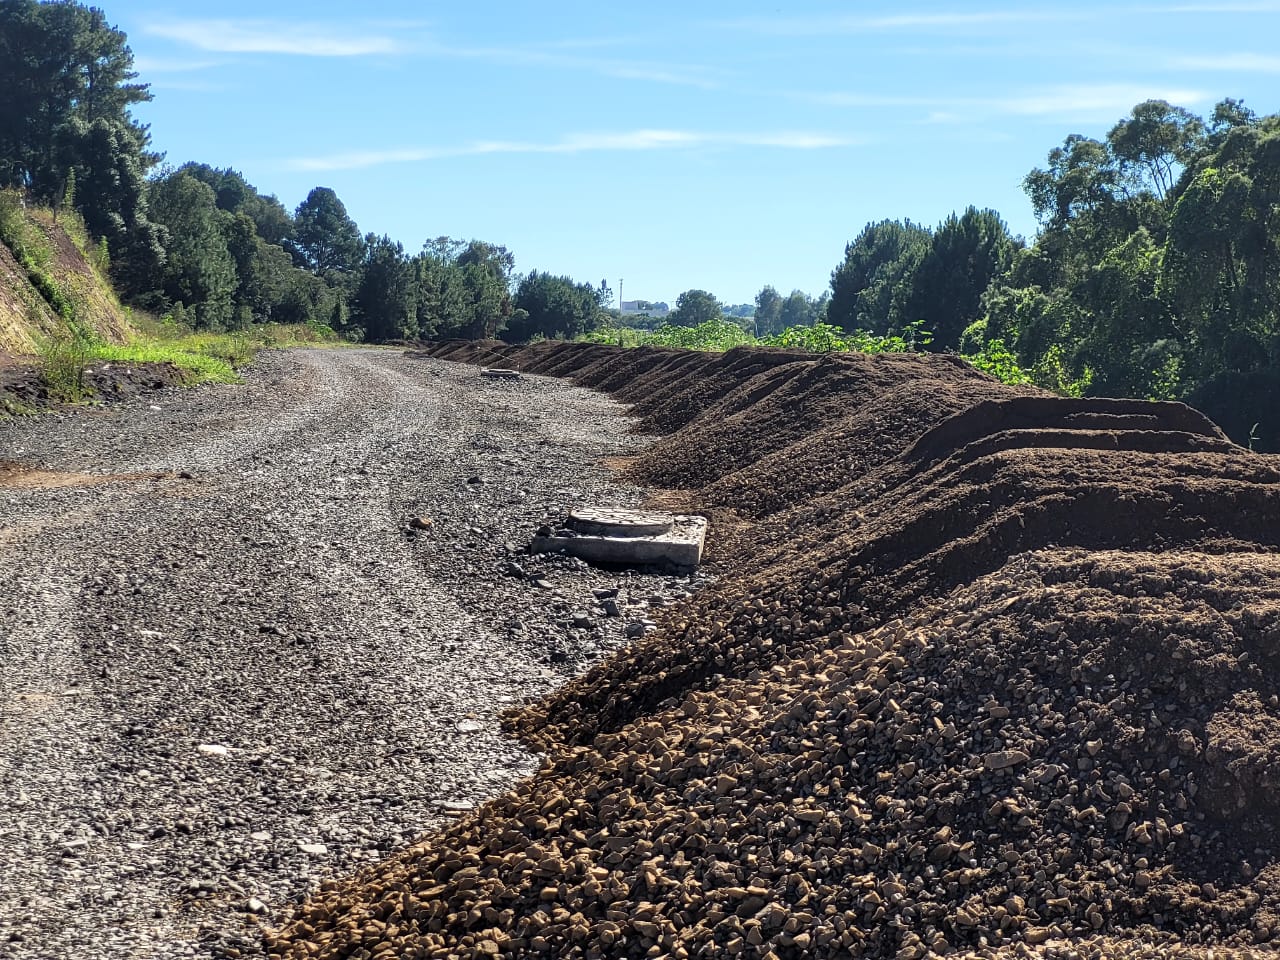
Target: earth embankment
[(987, 671)]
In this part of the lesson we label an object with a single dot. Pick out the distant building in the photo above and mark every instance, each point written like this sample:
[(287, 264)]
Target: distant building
[(645, 308)]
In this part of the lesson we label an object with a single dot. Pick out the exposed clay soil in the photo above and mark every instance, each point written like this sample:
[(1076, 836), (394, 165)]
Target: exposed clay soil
[(986, 672)]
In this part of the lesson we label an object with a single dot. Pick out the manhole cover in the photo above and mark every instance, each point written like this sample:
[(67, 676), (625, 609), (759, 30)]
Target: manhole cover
[(613, 522)]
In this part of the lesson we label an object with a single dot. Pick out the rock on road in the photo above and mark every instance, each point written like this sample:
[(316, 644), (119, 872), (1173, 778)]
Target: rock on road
[(228, 670)]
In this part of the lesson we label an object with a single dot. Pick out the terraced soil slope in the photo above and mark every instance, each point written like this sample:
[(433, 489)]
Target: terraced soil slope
[(987, 671)]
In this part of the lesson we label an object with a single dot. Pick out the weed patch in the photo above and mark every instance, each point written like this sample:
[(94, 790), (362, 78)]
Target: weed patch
[(62, 363)]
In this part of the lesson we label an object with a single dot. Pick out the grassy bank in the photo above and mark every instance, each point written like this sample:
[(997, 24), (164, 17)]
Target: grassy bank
[(201, 357)]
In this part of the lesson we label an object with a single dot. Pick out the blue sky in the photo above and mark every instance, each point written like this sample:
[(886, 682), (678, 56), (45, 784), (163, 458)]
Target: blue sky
[(673, 145)]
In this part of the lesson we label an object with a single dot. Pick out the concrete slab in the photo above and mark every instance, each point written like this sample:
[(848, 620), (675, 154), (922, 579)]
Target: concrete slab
[(627, 537)]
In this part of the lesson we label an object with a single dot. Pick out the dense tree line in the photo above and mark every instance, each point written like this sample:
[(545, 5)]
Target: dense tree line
[(203, 244), (1156, 271)]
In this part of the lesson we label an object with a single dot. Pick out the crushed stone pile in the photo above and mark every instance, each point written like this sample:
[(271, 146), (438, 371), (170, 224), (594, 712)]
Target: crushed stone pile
[(1005, 682)]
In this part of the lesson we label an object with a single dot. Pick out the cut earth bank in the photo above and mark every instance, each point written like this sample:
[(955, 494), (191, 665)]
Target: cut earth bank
[(992, 673), (229, 671)]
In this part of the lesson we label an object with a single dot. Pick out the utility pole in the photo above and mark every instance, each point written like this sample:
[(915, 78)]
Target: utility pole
[(619, 296)]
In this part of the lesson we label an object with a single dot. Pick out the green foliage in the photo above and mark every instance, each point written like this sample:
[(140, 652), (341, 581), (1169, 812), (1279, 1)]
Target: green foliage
[(694, 308), (1154, 275), (234, 194), (1053, 372), (383, 304), (553, 307), (768, 316), (619, 336), (828, 338), (716, 335), (998, 361), (965, 254), (62, 364), (819, 338), (199, 270), (34, 253), (202, 360), (205, 357), (62, 68), (723, 334), (325, 239), (871, 287), (462, 288), (1154, 141)]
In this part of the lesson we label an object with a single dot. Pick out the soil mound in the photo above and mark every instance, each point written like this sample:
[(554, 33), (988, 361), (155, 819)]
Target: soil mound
[(770, 411), (842, 451), (993, 672), (1081, 743)]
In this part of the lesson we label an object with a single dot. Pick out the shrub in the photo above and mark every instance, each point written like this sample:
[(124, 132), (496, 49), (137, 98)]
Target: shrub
[(62, 363)]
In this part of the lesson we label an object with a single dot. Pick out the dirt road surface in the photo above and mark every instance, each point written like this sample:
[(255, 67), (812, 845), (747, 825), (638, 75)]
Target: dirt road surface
[(229, 671)]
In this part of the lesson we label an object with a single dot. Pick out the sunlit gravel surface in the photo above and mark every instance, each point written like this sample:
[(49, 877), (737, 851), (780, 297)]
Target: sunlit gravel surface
[(227, 668)]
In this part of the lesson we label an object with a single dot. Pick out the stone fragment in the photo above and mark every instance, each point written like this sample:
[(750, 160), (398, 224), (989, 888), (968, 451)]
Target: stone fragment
[(1004, 759)]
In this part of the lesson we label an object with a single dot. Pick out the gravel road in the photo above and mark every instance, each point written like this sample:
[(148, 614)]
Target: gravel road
[(229, 671)]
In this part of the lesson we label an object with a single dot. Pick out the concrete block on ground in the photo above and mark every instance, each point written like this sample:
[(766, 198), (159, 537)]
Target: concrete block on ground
[(627, 537)]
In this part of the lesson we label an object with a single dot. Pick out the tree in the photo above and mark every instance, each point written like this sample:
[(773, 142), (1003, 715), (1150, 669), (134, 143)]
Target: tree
[(870, 286), (768, 312), (1228, 115), (553, 307), (1081, 177), (694, 307), (199, 271), (965, 254), (327, 241), (497, 261), (234, 194), (1219, 268), (798, 310), (61, 66), (1154, 141), (383, 304), (463, 288)]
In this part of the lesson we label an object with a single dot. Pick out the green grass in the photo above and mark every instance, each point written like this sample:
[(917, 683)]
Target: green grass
[(202, 357), (207, 357), (62, 363), (200, 361)]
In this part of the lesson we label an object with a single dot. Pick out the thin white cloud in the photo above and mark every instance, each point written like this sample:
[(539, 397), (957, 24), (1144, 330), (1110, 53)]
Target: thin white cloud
[(653, 73), (853, 23), (1260, 6), (1091, 100), (408, 37), (270, 36), (150, 65), (952, 21), (556, 57), (1077, 101), (1230, 63), (574, 143), (190, 86)]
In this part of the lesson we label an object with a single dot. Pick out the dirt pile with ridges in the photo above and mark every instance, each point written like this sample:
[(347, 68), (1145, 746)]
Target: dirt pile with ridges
[(1008, 681)]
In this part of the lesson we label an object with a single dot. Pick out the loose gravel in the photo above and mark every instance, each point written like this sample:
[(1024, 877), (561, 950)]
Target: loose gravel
[(232, 669)]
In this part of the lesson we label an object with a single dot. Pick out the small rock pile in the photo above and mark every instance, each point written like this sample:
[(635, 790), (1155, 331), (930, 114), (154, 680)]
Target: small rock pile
[(1008, 684)]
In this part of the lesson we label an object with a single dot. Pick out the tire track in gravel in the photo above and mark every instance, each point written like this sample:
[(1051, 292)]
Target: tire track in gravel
[(219, 688)]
